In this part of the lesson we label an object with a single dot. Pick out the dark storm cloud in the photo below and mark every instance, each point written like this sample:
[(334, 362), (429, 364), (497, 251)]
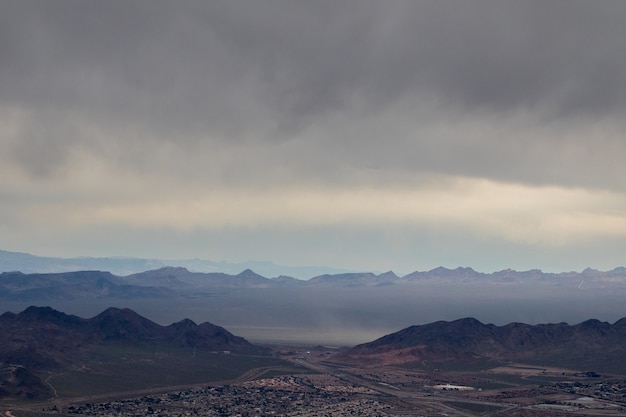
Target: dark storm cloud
[(195, 72)]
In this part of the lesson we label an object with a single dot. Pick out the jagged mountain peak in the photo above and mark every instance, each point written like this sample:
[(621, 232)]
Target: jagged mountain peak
[(184, 324), (36, 311), (249, 273), (124, 324), (388, 275), (45, 314), (118, 312), (466, 322)]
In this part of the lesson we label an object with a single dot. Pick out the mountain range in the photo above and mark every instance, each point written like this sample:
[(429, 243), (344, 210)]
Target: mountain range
[(201, 272), (591, 345), (177, 281), (42, 341), (36, 336), (27, 263)]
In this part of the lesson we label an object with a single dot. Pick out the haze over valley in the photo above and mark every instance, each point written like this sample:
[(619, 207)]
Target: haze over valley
[(336, 309)]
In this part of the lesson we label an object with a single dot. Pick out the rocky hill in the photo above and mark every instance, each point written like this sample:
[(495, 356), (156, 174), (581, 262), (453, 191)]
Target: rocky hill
[(17, 381), (41, 338), (590, 345), (45, 332)]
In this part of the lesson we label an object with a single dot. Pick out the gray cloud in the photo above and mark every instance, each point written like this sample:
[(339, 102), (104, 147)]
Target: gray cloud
[(190, 97), (267, 70)]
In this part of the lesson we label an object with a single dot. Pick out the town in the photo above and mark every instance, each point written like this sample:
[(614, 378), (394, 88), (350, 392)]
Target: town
[(368, 391)]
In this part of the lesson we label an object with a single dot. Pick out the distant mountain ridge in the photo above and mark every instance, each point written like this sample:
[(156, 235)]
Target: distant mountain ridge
[(122, 266), (27, 263), (169, 282), (591, 344)]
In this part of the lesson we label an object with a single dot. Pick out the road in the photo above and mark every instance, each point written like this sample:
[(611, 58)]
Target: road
[(406, 400)]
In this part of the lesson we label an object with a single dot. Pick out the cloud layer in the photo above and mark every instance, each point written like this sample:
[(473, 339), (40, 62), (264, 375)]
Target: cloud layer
[(495, 122)]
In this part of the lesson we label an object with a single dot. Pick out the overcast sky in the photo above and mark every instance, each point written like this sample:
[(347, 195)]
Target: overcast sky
[(365, 135)]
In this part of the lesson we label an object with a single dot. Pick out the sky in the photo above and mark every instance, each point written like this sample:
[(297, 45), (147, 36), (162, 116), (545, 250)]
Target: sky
[(356, 134)]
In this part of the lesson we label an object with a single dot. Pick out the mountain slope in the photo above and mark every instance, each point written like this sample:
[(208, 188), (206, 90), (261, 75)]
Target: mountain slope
[(40, 337), (592, 344), (42, 341)]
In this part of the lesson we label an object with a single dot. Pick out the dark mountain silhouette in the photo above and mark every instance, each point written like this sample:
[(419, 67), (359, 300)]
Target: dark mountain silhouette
[(125, 325), (591, 344), (41, 337)]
